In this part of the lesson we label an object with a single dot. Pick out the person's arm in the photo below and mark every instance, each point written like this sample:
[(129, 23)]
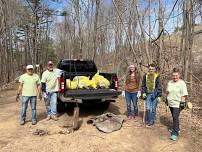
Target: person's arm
[(58, 83), (19, 91), (39, 88), (139, 80), (144, 89), (184, 92), (43, 82), (158, 87)]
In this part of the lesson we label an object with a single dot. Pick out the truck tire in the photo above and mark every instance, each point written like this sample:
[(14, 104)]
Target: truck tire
[(105, 105)]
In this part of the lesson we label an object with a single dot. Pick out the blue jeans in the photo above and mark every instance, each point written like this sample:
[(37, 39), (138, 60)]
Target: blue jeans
[(51, 103), (151, 105), (25, 100), (131, 97)]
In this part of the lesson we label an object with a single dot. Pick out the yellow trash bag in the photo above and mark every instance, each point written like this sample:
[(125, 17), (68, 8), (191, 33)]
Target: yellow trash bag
[(104, 83), (101, 81), (92, 84), (83, 82), (71, 84), (78, 78)]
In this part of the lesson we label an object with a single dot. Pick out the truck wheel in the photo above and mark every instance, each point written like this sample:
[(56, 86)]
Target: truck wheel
[(60, 106), (105, 105)]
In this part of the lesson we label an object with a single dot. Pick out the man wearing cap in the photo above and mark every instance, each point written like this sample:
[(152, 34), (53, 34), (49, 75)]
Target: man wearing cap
[(50, 87), (29, 86)]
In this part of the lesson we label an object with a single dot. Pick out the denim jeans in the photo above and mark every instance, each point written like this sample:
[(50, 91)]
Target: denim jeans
[(131, 97), (51, 103), (175, 114), (25, 100), (151, 105)]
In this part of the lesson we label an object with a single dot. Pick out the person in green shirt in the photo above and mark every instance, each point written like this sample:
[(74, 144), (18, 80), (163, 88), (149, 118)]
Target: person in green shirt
[(29, 87), (50, 87), (176, 95)]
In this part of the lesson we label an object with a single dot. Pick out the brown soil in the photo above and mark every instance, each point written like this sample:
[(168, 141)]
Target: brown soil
[(132, 137)]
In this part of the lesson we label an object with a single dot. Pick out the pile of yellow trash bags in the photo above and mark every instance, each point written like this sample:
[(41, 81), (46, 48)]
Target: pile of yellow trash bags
[(84, 82)]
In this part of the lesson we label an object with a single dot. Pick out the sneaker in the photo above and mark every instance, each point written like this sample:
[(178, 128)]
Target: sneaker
[(22, 122), (173, 137), (54, 117), (48, 118), (151, 123), (148, 125), (34, 122), (130, 117)]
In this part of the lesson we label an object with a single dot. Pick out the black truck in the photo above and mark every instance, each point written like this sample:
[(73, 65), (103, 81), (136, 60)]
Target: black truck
[(78, 67)]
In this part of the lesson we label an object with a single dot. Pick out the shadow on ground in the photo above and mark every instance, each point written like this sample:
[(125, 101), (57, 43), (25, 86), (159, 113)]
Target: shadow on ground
[(86, 110), (164, 120)]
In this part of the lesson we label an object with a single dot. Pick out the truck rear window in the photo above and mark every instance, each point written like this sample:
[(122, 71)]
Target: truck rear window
[(77, 66)]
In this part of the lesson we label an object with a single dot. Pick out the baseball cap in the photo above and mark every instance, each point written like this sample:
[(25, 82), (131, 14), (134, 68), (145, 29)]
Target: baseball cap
[(50, 62), (132, 66), (29, 66)]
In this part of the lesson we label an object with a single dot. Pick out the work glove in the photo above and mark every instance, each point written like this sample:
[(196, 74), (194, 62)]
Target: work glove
[(159, 99), (182, 105), (17, 97), (44, 94), (144, 96), (123, 93), (138, 94)]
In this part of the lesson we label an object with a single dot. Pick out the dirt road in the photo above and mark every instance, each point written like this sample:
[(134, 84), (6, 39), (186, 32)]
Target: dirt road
[(131, 138)]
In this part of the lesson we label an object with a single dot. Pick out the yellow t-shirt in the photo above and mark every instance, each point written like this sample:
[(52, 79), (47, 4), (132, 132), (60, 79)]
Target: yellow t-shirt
[(51, 80), (175, 91), (30, 83)]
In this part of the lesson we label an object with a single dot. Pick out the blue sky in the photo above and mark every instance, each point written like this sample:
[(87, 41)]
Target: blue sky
[(63, 4)]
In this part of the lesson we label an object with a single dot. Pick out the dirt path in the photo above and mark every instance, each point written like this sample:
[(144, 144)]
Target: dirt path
[(131, 138)]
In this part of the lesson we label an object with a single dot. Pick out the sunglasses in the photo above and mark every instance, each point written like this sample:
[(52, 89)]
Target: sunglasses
[(29, 69)]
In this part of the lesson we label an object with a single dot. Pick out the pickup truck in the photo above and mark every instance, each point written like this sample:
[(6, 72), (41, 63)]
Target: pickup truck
[(78, 67)]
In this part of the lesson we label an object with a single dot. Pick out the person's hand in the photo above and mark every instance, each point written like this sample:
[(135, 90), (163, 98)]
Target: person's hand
[(159, 99), (138, 94), (123, 93), (144, 96), (44, 94), (182, 104), (17, 97)]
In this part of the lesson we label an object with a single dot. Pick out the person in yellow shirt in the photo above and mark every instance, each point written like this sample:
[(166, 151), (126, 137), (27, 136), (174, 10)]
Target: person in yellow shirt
[(176, 95), (29, 86), (50, 88)]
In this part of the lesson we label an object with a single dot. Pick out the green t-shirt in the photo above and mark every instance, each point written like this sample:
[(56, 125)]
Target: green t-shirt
[(175, 91), (51, 80), (30, 83)]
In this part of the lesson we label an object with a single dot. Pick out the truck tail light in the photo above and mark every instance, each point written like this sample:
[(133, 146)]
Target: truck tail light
[(116, 82), (62, 84)]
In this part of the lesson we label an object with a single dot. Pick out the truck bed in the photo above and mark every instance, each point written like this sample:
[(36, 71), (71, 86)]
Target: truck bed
[(91, 94)]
